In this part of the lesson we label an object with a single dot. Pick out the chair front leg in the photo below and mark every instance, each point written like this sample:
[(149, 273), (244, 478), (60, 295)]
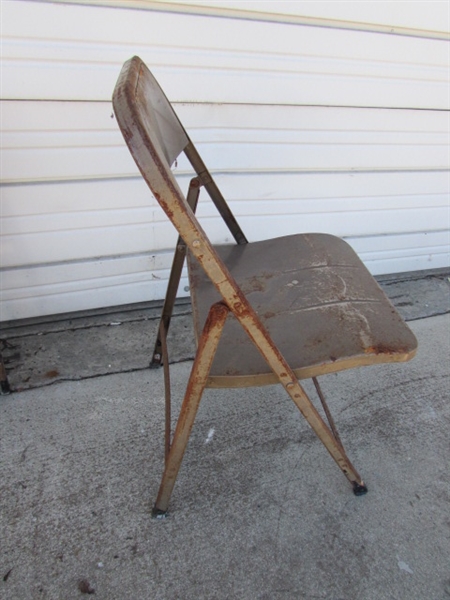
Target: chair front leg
[(207, 347)]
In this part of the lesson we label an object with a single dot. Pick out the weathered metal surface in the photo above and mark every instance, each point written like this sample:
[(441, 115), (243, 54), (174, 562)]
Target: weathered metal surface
[(205, 354), (175, 276), (133, 108), (214, 193), (327, 411), (319, 304), (162, 337)]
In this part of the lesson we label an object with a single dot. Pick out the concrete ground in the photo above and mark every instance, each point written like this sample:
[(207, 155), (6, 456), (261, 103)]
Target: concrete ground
[(259, 511)]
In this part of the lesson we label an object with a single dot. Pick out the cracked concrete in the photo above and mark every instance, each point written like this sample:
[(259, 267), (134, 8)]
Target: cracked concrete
[(259, 511), (91, 345)]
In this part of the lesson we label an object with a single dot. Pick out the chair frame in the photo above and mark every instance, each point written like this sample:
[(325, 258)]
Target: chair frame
[(207, 346), (153, 160)]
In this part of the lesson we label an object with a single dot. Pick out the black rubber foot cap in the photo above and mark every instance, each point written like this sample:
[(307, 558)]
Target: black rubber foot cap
[(359, 489), (4, 388), (157, 513)]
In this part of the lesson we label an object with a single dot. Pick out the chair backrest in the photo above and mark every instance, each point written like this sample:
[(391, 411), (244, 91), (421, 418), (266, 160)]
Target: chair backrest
[(143, 129), (166, 126), (163, 127), (155, 137)]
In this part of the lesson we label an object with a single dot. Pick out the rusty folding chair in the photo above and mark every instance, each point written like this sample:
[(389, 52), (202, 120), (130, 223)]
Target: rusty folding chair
[(278, 310)]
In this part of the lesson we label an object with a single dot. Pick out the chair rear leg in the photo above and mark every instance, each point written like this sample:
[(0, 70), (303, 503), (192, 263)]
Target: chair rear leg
[(207, 347), (167, 393), (174, 278), (359, 488), (327, 412), (327, 437), (286, 376)]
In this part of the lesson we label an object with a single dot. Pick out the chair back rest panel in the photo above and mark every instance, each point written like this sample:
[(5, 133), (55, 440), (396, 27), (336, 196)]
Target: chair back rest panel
[(137, 123), (137, 120), (173, 140), (170, 132)]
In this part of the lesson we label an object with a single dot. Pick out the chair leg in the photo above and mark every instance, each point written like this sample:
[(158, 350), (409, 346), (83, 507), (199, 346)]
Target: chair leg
[(174, 278), (207, 347), (286, 376), (167, 393), (327, 437), (327, 411), (4, 383), (359, 488)]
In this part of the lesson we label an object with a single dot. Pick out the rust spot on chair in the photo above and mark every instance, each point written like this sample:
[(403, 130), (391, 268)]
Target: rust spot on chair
[(385, 349)]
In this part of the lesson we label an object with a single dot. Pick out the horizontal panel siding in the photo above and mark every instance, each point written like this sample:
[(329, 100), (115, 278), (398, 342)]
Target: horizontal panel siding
[(70, 287), (102, 235), (84, 142), (304, 129), (408, 252), (68, 56), (421, 19), (269, 173), (432, 15)]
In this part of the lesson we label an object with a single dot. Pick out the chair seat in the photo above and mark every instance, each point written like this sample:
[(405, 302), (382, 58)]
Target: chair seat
[(319, 303)]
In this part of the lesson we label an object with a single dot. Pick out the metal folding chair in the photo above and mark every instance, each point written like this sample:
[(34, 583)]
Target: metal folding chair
[(278, 310)]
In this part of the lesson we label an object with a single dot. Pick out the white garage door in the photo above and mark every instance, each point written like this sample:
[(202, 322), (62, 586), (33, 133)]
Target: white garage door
[(307, 124)]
